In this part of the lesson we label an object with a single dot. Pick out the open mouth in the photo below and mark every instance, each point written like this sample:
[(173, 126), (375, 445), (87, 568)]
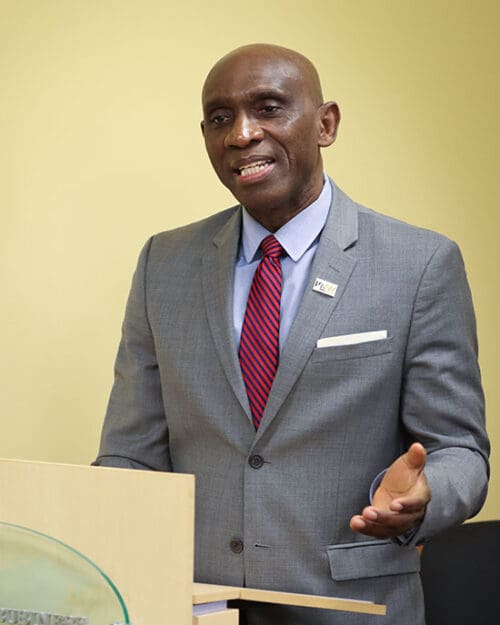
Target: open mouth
[(253, 168)]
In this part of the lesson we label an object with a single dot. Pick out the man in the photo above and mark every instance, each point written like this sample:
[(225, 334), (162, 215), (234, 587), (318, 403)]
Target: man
[(372, 325)]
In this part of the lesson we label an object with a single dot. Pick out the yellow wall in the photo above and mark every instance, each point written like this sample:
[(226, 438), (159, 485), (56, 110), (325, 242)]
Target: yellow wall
[(100, 147)]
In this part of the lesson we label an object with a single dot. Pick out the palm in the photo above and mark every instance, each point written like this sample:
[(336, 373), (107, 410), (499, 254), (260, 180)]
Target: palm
[(402, 477)]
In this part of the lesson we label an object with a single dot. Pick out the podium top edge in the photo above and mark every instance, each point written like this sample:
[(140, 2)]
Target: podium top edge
[(84, 467)]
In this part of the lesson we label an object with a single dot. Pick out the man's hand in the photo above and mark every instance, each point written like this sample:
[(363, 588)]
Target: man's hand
[(400, 501)]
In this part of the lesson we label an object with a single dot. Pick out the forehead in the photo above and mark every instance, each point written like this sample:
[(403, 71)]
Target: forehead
[(250, 78)]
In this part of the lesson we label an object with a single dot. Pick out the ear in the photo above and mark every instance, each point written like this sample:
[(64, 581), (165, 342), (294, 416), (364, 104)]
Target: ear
[(329, 120), (202, 126)]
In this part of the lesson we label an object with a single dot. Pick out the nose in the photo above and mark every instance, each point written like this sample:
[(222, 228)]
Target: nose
[(243, 131)]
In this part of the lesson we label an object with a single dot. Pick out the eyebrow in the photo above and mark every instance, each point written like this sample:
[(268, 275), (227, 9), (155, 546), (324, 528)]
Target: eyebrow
[(255, 95)]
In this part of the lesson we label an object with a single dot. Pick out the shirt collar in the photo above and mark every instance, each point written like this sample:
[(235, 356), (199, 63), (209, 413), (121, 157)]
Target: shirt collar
[(297, 235)]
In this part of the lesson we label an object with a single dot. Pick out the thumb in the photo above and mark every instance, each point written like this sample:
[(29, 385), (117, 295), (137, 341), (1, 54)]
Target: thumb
[(415, 457)]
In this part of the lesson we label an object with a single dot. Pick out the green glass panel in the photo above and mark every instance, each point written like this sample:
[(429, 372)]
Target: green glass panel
[(41, 574)]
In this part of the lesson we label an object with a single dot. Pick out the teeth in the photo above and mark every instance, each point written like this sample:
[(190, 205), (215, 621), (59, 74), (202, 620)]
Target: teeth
[(248, 170)]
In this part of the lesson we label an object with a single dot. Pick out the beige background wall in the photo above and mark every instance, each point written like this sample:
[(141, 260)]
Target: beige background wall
[(100, 147)]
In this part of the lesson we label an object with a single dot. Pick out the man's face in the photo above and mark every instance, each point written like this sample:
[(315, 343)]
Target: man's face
[(261, 126)]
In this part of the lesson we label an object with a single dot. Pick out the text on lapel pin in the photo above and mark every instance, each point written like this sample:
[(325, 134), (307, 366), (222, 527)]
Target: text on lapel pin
[(325, 287)]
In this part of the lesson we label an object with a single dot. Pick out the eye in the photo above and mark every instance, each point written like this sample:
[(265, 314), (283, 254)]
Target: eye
[(270, 109), (219, 119)]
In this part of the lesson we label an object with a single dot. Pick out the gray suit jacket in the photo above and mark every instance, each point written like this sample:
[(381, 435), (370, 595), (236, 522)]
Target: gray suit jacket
[(273, 506)]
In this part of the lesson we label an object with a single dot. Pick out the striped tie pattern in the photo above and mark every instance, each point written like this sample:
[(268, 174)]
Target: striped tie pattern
[(259, 343)]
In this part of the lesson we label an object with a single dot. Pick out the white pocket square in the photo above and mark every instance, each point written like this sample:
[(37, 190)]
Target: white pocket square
[(351, 339)]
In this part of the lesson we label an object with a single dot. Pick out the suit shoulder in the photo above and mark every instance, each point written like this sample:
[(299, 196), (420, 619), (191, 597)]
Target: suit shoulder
[(194, 236), (401, 234)]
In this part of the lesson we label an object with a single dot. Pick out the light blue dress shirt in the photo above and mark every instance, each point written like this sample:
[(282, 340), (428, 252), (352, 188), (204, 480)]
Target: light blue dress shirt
[(299, 237)]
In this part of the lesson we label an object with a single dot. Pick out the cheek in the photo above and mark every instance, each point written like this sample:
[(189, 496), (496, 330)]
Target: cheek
[(214, 153), (300, 142), (304, 153)]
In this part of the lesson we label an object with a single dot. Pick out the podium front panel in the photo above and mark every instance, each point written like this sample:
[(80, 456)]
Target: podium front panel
[(134, 527)]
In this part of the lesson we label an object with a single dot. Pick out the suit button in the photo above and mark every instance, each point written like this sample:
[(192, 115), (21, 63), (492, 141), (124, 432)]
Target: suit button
[(256, 461), (236, 545)]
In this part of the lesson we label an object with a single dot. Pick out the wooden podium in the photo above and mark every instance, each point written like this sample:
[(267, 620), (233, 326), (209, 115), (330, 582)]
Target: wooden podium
[(138, 527)]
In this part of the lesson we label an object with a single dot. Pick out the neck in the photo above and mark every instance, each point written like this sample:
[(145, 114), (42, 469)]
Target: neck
[(273, 219)]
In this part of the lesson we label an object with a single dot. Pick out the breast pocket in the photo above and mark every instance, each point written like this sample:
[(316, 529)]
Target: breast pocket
[(346, 352), (374, 558)]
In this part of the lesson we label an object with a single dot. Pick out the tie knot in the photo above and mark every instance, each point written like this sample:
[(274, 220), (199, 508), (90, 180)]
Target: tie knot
[(271, 247)]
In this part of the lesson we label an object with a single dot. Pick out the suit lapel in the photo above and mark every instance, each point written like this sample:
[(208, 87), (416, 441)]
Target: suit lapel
[(218, 276), (332, 264)]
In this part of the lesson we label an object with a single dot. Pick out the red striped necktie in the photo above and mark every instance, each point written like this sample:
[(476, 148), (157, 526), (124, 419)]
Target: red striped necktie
[(260, 333)]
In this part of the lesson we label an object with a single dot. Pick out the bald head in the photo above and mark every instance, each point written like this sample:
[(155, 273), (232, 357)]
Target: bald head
[(273, 55), (264, 122)]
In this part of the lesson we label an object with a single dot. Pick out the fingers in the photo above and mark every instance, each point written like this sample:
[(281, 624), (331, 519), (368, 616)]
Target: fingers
[(410, 504), (385, 524), (392, 520)]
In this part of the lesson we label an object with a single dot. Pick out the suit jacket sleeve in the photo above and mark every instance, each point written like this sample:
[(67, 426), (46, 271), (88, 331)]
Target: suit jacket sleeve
[(442, 403), (135, 433)]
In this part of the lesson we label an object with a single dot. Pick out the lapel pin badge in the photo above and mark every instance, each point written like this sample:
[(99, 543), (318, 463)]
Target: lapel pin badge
[(325, 287)]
